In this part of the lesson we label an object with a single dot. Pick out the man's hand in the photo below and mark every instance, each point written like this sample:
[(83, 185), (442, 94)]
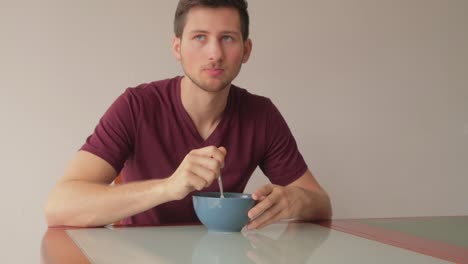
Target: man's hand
[(197, 171), (303, 199), (275, 203)]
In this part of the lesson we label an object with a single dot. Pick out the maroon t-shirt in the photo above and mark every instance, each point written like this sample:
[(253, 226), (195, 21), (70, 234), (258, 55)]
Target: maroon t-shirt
[(147, 132)]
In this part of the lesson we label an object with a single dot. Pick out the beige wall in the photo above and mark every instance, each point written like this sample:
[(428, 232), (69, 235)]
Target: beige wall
[(376, 93)]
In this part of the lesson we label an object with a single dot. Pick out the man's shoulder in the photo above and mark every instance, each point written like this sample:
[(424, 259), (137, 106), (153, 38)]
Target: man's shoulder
[(159, 87), (251, 100), (150, 95)]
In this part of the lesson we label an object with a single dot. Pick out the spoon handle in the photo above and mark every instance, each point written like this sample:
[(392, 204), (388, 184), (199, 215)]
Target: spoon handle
[(220, 183)]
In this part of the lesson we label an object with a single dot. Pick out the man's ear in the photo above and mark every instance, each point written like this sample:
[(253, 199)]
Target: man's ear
[(247, 50), (176, 47)]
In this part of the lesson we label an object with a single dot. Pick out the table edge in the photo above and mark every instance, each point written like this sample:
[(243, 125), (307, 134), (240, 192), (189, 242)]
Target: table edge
[(428, 247)]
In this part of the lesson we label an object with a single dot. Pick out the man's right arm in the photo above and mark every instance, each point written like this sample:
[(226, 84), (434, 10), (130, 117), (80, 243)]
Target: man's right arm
[(83, 196)]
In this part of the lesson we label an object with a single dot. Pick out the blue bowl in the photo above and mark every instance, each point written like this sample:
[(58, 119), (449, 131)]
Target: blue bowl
[(228, 214)]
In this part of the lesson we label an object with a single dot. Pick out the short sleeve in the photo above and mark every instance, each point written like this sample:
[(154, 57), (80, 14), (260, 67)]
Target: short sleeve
[(282, 163), (113, 137)]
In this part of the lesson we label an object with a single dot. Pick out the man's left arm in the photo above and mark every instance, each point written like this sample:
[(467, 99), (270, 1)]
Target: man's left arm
[(303, 199)]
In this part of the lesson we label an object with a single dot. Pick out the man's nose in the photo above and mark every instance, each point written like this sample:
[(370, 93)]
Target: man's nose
[(215, 51)]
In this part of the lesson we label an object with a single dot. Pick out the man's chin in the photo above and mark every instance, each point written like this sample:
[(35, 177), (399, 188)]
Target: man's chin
[(211, 85), (214, 86), (214, 89)]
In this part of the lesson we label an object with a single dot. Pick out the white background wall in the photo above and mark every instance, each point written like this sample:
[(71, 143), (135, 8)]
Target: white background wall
[(376, 93)]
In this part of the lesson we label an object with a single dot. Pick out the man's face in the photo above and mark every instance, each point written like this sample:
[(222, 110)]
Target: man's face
[(211, 49)]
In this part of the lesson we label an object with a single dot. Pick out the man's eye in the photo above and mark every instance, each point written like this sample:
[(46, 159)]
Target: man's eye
[(200, 37), (228, 38)]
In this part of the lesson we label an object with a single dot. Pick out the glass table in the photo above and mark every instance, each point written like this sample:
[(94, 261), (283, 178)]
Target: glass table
[(390, 240)]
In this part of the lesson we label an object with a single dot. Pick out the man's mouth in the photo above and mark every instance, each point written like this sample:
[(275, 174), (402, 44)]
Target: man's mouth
[(214, 71)]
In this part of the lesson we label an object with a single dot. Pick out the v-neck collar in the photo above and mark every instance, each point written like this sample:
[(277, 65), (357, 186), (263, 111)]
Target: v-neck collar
[(216, 136)]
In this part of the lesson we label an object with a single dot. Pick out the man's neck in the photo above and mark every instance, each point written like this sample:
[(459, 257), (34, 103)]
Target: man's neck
[(204, 108)]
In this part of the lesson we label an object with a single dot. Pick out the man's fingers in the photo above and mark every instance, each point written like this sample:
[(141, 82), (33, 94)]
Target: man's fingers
[(197, 171), (271, 208), (219, 155), (273, 219), (211, 152), (223, 150), (207, 162), (208, 175), (262, 206), (264, 191), (196, 182), (267, 217)]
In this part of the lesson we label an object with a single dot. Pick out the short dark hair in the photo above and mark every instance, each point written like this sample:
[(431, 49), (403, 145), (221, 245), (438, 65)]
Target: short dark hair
[(184, 7)]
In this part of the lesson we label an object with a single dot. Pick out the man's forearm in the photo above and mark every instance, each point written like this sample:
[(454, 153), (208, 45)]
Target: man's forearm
[(78, 203), (314, 205)]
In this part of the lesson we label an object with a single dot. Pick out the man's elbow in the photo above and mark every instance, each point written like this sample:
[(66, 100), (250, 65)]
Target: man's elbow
[(52, 215), (323, 209), (57, 215), (327, 212)]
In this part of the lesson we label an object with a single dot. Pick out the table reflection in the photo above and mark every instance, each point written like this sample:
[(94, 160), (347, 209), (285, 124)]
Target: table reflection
[(285, 242), (295, 245), (280, 243), (215, 247)]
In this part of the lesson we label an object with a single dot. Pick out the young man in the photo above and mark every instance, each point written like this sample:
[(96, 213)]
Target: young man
[(169, 138)]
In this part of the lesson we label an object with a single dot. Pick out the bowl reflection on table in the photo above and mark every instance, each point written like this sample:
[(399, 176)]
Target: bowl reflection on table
[(228, 214), (217, 247)]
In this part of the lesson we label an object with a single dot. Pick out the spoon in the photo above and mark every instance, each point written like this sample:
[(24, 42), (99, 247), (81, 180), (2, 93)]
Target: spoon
[(220, 183)]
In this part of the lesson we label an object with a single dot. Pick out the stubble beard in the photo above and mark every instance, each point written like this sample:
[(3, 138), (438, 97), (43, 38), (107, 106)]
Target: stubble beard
[(205, 86)]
